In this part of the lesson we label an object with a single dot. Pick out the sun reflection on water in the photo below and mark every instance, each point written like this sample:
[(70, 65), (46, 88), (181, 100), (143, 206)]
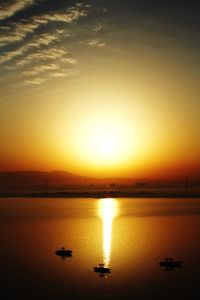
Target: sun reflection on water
[(108, 208)]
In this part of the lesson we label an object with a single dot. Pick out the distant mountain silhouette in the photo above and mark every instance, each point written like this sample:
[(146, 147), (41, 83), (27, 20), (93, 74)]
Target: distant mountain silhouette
[(55, 178), (65, 184)]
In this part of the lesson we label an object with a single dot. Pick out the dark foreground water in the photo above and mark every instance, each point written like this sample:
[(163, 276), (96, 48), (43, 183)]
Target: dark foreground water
[(130, 236)]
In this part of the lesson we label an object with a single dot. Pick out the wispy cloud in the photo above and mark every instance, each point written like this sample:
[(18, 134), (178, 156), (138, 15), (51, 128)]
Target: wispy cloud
[(44, 39), (12, 54), (97, 27), (36, 45), (71, 72), (10, 7), (38, 41), (58, 74), (69, 60), (96, 43), (42, 55), (65, 73), (41, 69), (68, 16), (35, 81), (16, 32)]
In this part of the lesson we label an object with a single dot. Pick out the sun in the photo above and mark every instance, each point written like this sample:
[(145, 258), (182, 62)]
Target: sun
[(103, 141), (102, 137), (106, 146)]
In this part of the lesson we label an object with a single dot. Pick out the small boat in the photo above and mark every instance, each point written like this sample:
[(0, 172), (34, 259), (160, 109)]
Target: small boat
[(64, 252), (170, 264), (101, 269)]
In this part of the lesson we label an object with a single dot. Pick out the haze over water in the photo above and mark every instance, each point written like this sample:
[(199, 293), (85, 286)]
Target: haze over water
[(130, 236)]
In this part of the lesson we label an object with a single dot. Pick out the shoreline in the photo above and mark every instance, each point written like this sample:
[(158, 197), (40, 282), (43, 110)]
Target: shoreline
[(103, 194)]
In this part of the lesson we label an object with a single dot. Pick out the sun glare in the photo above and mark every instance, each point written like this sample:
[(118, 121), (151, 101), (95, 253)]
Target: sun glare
[(106, 146), (103, 137), (103, 143), (108, 211)]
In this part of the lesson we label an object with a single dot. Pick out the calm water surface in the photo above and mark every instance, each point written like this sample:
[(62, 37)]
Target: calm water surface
[(130, 236)]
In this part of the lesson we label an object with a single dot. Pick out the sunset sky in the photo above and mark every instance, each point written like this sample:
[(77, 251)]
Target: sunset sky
[(100, 88)]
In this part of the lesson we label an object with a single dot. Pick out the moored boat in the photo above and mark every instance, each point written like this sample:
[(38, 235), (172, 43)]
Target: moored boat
[(101, 269), (64, 252), (169, 263)]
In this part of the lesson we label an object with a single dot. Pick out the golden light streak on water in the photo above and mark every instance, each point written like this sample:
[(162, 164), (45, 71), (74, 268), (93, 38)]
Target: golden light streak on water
[(108, 211)]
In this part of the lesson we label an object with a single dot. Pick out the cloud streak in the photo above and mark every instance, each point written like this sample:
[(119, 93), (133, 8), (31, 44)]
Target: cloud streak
[(40, 45), (16, 32), (96, 43), (42, 55), (10, 8), (56, 75), (41, 69), (35, 81), (70, 15), (12, 54)]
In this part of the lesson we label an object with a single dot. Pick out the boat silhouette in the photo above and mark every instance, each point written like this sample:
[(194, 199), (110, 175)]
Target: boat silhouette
[(64, 252), (170, 264), (101, 269)]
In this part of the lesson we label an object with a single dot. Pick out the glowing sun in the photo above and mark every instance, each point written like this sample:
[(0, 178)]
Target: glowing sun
[(102, 136), (103, 141)]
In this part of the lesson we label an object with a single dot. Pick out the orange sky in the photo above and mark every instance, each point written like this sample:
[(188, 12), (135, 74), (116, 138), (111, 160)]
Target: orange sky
[(96, 97)]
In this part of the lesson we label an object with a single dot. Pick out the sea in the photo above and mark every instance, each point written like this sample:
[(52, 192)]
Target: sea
[(129, 236)]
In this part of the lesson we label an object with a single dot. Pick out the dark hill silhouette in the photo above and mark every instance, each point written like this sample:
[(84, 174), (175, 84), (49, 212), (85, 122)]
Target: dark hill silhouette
[(55, 178), (65, 184)]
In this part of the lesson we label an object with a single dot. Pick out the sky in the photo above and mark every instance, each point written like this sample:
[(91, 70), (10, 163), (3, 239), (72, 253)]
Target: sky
[(100, 88)]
